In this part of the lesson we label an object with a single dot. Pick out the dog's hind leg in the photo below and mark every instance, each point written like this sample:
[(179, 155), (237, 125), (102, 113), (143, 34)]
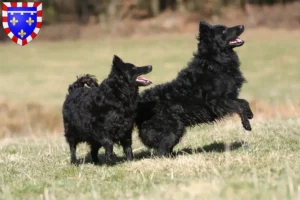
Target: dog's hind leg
[(162, 132), (70, 135), (166, 146), (173, 131), (94, 152), (126, 144)]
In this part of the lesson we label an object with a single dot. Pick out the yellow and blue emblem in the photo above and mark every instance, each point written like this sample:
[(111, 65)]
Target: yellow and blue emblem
[(22, 21)]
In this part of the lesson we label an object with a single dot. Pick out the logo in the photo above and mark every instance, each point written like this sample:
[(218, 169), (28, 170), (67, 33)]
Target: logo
[(22, 21)]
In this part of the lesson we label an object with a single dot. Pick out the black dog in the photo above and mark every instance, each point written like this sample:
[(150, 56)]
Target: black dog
[(104, 114), (204, 92)]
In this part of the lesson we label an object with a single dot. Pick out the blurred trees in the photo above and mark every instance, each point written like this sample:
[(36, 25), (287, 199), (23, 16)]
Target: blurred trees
[(81, 10), (84, 11), (140, 8)]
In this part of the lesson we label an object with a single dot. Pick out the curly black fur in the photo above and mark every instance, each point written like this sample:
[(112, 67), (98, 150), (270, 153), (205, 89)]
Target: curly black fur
[(85, 79), (205, 91), (103, 114)]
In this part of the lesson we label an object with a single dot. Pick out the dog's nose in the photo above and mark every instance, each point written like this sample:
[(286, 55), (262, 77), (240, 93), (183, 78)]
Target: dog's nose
[(241, 27), (150, 68)]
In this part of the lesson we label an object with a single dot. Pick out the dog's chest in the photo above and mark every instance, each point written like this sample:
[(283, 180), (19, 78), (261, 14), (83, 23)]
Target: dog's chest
[(230, 84)]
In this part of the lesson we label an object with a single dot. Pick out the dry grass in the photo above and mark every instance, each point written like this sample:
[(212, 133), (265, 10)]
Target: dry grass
[(263, 164), (32, 92), (266, 166), (27, 119), (269, 58), (33, 118)]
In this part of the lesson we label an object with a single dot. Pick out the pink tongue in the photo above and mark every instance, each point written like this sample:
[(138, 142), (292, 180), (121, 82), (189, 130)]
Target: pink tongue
[(142, 79), (236, 40)]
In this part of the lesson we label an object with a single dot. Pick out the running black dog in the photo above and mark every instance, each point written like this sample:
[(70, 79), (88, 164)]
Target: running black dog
[(104, 114), (205, 91)]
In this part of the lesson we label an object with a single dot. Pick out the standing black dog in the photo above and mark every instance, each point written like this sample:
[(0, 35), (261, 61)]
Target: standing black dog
[(104, 114), (204, 92)]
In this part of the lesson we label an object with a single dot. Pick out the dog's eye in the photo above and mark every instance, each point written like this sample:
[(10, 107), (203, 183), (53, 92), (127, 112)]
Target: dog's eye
[(224, 31)]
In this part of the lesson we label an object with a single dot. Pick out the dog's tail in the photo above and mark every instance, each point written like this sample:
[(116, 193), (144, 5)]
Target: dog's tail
[(89, 80)]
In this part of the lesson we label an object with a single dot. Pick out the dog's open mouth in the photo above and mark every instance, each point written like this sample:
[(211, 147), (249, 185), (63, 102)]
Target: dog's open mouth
[(143, 81), (236, 42)]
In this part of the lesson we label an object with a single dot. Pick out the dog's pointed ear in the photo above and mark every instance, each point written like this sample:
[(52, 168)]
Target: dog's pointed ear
[(117, 61), (204, 28)]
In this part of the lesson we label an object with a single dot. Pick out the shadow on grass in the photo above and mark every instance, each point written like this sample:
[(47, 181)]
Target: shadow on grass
[(88, 160), (218, 147)]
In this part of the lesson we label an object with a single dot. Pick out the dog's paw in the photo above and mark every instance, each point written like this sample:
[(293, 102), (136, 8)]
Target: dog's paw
[(247, 126), (95, 162), (74, 162), (129, 159)]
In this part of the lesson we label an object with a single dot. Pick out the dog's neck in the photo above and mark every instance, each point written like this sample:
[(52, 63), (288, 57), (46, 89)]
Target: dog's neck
[(208, 63), (122, 86), (218, 61)]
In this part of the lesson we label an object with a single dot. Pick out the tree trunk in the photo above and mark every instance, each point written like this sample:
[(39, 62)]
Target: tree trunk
[(154, 7), (181, 6)]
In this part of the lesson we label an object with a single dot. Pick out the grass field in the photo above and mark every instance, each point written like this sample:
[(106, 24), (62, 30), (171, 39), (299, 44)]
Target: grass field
[(42, 71), (263, 164), (219, 161)]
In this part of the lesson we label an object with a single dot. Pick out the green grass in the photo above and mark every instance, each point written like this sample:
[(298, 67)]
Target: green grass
[(42, 71), (37, 166), (265, 167)]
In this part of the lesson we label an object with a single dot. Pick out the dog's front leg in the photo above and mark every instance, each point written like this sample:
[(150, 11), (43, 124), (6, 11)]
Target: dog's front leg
[(126, 144), (108, 145), (225, 106), (244, 111), (246, 107)]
